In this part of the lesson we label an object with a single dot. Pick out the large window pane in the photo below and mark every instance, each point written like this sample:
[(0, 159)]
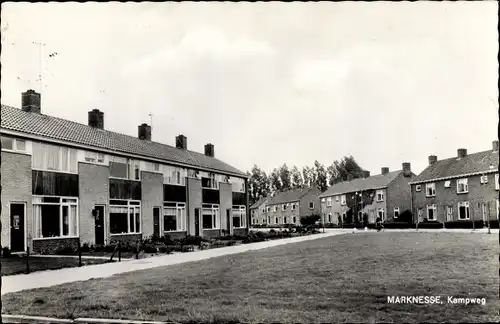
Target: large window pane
[(65, 220), (50, 221), (7, 143), (73, 160), (132, 222), (64, 160), (38, 156), (118, 169), (170, 219), (52, 155), (74, 227), (137, 220), (207, 219), (118, 220)]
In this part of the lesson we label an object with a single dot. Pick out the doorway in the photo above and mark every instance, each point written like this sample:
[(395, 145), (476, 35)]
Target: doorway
[(197, 222), (484, 213), (156, 221), (228, 221), (17, 227), (99, 212)]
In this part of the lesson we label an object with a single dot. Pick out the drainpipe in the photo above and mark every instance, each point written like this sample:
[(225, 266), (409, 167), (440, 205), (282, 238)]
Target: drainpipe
[(411, 208)]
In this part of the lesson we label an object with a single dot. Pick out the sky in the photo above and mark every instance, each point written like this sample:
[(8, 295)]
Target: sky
[(268, 83)]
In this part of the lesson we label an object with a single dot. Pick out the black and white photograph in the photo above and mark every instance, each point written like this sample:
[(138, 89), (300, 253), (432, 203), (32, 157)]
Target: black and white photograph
[(250, 162)]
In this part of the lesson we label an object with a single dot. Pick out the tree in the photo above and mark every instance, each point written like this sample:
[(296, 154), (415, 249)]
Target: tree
[(257, 183), (285, 177), (308, 176), (274, 181), (321, 176), (344, 170), (297, 181)]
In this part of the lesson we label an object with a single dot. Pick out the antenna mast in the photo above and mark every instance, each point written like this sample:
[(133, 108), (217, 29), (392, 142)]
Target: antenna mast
[(40, 52)]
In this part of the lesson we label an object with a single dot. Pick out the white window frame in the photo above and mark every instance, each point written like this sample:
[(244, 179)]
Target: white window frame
[(15, 146), (484, 179), (449, 213), (275, 208), (329, 218), (463, 204), (173, 175), (329, 202), (311, 207), (343, 201), (434, 214), (418, 188), (380, 195), (180, 224), (37, 226), (465, 183), (294, 206), (240, 211), (432, 188), (396, 210), (337, 198), (283, 207), (379, 211), (497, 184), (214, 211), (131, 205), (268, 209), (322, 200), (447, 184), (237, 184), (121, 160), (94, 157), (71, 156)]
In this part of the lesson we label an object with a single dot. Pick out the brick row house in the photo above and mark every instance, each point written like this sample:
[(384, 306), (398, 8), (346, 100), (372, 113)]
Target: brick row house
[(459, 189), (258, 214), (65, 182), (287, 207), (385, 195)]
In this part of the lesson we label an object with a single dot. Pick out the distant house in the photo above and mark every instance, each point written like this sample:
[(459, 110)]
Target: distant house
[(258, 214), (458, 189), (287, 207), (386, 195)]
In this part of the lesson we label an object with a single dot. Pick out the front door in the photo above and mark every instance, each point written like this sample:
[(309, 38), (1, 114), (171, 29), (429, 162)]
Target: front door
[(228, 220), (156, 221), (99, 224), (17, 240), (197, 222)]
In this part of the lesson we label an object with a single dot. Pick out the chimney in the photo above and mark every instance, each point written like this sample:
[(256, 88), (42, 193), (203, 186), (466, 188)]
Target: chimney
[(385, 170), (461, 153), (209, 150), (432, 159), (366, 174), (495, 146), (96, 119), (30, 101), (406, 169), (181, 142), (144, 132)]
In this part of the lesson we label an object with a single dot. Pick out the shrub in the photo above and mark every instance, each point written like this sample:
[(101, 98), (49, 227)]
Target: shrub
[(6, 252), (192, 240), (85, 247), (406, 217), (149, 248), (164, 249), (310, 220), (64, 250)]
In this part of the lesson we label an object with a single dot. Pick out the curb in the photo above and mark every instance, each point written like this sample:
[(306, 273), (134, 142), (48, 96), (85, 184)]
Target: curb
[(41, 319)]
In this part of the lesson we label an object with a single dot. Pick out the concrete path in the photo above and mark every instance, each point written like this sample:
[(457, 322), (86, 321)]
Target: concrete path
[(56, 277)]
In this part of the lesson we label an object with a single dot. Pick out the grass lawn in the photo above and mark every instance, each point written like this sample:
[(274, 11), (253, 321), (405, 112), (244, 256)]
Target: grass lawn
[(345, 278), (16, 264)]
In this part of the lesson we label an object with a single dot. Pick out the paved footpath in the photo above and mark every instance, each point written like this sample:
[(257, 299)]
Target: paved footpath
[(56, 277)]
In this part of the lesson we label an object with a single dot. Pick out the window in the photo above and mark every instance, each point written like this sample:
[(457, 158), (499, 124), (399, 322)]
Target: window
[(336, 198), (342, 200), (268, 209), (430, 189), (94, 157), (311, 205), (449, 213), (174, 217), (418, 188), (153, 167), (381, 214), (210, 217), (239, 216), (497, 185), (210, 181), (294, 206), (276, 208), (263, 210), (329, 201), (55, 217), (322, 200), (447, 184), (134, 169), (498, 209), (54, 158), (463, 210), (13, 144), (285, 220), (380, 195), (329, 217), (125, 216), (174, 175), (462, 186), (294, 219), (118, 167), (420, 213), (283, 207), (396, 212), (276, 220), (431, 212), (484, 179), (238, 184)]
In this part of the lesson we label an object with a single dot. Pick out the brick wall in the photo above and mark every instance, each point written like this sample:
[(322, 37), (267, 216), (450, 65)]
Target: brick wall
[(94, 190), (240, 231), (51, 246), (478, 193), (288, 213), (194, 201), (152, 196), (132, 238), (16, 183), (398, 195), (211, 233), (311, 196)]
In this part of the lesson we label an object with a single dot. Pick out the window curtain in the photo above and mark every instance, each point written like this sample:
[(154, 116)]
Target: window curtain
[(52, 155)]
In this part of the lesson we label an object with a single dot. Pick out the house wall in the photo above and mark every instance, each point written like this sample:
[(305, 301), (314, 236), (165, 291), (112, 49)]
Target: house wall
[(288, 213), (398, 195), (152, 196), (258, 214), (194, 201), (16, 180), (311, 195), (94, 190), (478, 194)]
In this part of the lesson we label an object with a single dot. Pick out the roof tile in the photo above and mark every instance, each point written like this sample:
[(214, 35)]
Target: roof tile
[(373, 182)]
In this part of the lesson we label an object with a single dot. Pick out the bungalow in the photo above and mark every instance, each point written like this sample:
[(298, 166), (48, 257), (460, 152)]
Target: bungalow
[(64, 182), (288, 206), (258, 214), (458, 189), (386, 195)]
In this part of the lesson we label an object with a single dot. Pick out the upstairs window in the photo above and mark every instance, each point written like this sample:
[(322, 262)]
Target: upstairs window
[(380, 195), (54, 158), (94, 157), (275, 208), (268, 209), (283, 207), (311, 205), (294, 206), (447, 184), (118, 167), (13, 144), (462, 185), (497, 185), (329, 201), (418, 188), (238, 184), (210, 181), (430, 189), (174, 175), (342, 200), (484, 179)]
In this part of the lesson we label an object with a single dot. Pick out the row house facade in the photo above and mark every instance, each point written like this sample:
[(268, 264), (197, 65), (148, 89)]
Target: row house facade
[(385, 196), (459, 189), (258, 214), (287, 207), (65, 182)]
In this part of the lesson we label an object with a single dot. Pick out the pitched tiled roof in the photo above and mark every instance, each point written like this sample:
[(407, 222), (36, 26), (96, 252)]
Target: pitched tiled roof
[(259, 202), (15, 119), (288, 196), (454, 167), (358, 184)]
